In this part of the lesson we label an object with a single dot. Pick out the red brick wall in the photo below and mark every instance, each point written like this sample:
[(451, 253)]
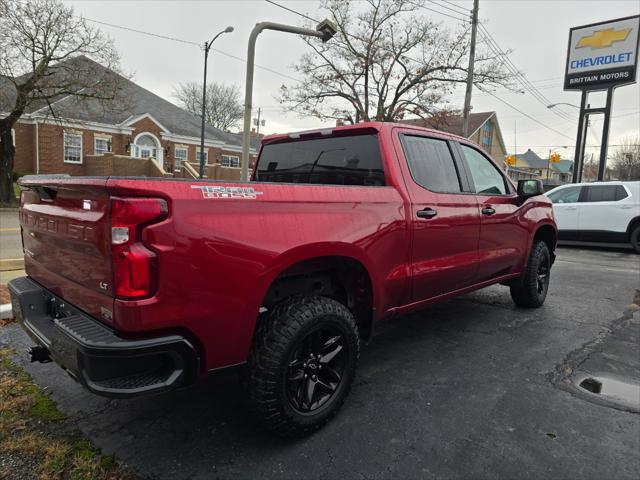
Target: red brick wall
[(51, 141), (24, 161)]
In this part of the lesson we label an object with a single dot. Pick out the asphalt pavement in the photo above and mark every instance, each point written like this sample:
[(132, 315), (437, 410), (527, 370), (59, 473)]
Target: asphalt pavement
[(470, 388)]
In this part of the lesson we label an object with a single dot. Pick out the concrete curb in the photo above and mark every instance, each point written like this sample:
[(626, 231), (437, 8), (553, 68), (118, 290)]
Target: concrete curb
[(7, 264), (6, 311)]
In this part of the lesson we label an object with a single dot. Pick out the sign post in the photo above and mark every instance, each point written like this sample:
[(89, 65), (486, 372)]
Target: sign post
[(600, 56)]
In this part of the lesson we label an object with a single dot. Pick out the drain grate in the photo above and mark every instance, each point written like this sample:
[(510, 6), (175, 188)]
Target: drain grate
[(613, 389), (592, 385)]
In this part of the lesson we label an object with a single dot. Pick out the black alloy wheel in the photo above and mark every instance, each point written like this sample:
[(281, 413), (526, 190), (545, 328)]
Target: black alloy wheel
[(302, 363), (316, 369)]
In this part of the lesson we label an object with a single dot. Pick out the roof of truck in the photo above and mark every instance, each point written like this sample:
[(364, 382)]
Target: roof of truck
[(359, 126)]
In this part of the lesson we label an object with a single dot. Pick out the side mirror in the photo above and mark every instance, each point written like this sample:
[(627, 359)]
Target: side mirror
[(529, 188)]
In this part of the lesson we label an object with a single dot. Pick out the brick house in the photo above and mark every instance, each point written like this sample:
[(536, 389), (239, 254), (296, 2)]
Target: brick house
[(142, 126), (483, 130)]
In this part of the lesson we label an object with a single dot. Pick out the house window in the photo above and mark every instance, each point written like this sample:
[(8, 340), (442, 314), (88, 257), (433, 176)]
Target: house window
[(180, 156), (230, 161), (487, 133), (101, 145), (146, 146), (72, 148), (206, 155)]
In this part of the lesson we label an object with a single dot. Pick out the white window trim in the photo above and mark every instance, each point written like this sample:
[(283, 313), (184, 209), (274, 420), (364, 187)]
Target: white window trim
[(106, 138), (64, 146), (177, 167), (185, 150), (236, 157)]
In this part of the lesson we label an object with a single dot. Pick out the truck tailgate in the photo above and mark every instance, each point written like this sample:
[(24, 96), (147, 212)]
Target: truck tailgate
[(66, 238)]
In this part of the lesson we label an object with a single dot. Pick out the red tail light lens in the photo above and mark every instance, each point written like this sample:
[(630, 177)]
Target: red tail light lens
[(133, 262)]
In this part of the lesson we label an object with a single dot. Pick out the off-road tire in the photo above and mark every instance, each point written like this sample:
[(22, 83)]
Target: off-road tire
[(635, 238), (526, 291), (278, 336)]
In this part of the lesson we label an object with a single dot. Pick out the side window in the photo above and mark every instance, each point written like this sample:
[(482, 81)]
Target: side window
[(565, 195), (621, 193), (601, 193), (486, 177), (431, 163)]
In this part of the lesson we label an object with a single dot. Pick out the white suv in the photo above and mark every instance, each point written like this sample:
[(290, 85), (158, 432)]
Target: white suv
[(598, 212)]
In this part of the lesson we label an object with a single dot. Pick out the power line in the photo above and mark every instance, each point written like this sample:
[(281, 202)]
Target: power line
[(455, 5), (449, 8), (188, 42), (493, 45), (292, 11), (525, 114), (165, 37)]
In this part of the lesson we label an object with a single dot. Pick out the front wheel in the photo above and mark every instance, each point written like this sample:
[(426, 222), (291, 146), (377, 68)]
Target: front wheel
[(530, 290), (302, 364)]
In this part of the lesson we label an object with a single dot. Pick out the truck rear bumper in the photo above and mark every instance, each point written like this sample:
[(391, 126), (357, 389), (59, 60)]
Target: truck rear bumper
[(94, 355)]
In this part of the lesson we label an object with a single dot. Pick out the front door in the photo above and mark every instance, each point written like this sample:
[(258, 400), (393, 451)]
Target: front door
[(445, 222), (503, 237), (566, 210)]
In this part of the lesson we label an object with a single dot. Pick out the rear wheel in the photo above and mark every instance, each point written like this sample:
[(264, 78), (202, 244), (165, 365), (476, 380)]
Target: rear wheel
[(531, 289), (635, 238), (302, 364)]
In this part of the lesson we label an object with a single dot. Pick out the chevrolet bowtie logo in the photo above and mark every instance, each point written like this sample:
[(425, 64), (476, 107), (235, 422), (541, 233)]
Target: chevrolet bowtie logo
[(603, 38)]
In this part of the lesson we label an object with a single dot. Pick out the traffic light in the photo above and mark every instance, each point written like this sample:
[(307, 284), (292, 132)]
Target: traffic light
[(511, 160)]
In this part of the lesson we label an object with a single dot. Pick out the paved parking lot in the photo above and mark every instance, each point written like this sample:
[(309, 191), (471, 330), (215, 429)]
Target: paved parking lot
[(470, 388)]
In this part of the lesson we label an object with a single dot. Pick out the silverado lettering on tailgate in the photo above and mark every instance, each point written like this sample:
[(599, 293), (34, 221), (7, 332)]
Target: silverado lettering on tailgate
[(223, 191), (59, 226)]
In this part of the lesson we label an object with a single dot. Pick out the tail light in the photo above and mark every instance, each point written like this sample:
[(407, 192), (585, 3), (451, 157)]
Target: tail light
[(133, 262)]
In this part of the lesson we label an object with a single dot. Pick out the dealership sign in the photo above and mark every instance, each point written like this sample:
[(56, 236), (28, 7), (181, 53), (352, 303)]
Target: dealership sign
[(602, 54)]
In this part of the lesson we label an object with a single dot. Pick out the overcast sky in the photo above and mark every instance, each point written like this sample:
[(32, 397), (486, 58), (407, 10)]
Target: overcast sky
[(536, 31)]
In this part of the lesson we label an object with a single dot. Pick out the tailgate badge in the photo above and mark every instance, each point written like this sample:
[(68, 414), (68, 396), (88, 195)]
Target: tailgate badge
[(104, 285)]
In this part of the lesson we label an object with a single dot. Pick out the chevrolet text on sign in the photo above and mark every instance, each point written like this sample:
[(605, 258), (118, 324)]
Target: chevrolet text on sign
[(602, 54)]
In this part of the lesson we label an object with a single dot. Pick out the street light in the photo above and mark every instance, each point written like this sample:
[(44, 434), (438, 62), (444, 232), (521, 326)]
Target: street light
[(207, 47), (563, 103), (324, 30)]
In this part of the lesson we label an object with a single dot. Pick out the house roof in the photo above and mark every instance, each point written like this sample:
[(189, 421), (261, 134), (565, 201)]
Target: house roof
[(135, 101), (563, 166), (532, 160), (452, 123)]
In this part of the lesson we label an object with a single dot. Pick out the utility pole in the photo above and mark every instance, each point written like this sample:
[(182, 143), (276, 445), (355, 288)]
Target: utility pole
[(472, 57)]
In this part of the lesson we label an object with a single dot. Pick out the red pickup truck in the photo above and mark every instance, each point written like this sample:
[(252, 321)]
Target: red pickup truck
[(141, 285)]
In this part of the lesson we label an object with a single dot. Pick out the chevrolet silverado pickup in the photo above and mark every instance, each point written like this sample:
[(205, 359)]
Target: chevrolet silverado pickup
[(142, 285)]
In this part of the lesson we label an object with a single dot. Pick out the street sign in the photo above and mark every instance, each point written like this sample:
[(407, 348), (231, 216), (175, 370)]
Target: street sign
[(602, 54)]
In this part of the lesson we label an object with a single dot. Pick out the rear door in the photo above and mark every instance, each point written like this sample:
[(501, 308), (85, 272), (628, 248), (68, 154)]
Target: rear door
[(503, 237), (444, 222), (566, 209), (604, 216)]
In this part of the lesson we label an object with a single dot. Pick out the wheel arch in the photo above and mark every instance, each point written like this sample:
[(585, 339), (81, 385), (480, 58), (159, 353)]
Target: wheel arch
[(342, 272), (635, 222), (548, 234)]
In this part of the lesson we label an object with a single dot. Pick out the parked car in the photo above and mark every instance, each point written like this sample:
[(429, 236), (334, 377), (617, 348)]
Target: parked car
[(598, 212), (140, 285)]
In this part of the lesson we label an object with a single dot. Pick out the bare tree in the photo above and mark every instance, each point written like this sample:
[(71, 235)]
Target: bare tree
[(223, 110), (43, 58), (626, 159), (385, 62)]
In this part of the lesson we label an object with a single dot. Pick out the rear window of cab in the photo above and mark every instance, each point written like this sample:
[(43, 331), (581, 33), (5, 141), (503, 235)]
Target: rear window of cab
[(340, 160)]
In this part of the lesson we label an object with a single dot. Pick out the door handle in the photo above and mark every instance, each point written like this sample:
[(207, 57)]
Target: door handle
[(427, 213), (571, 208), (488, 211)]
